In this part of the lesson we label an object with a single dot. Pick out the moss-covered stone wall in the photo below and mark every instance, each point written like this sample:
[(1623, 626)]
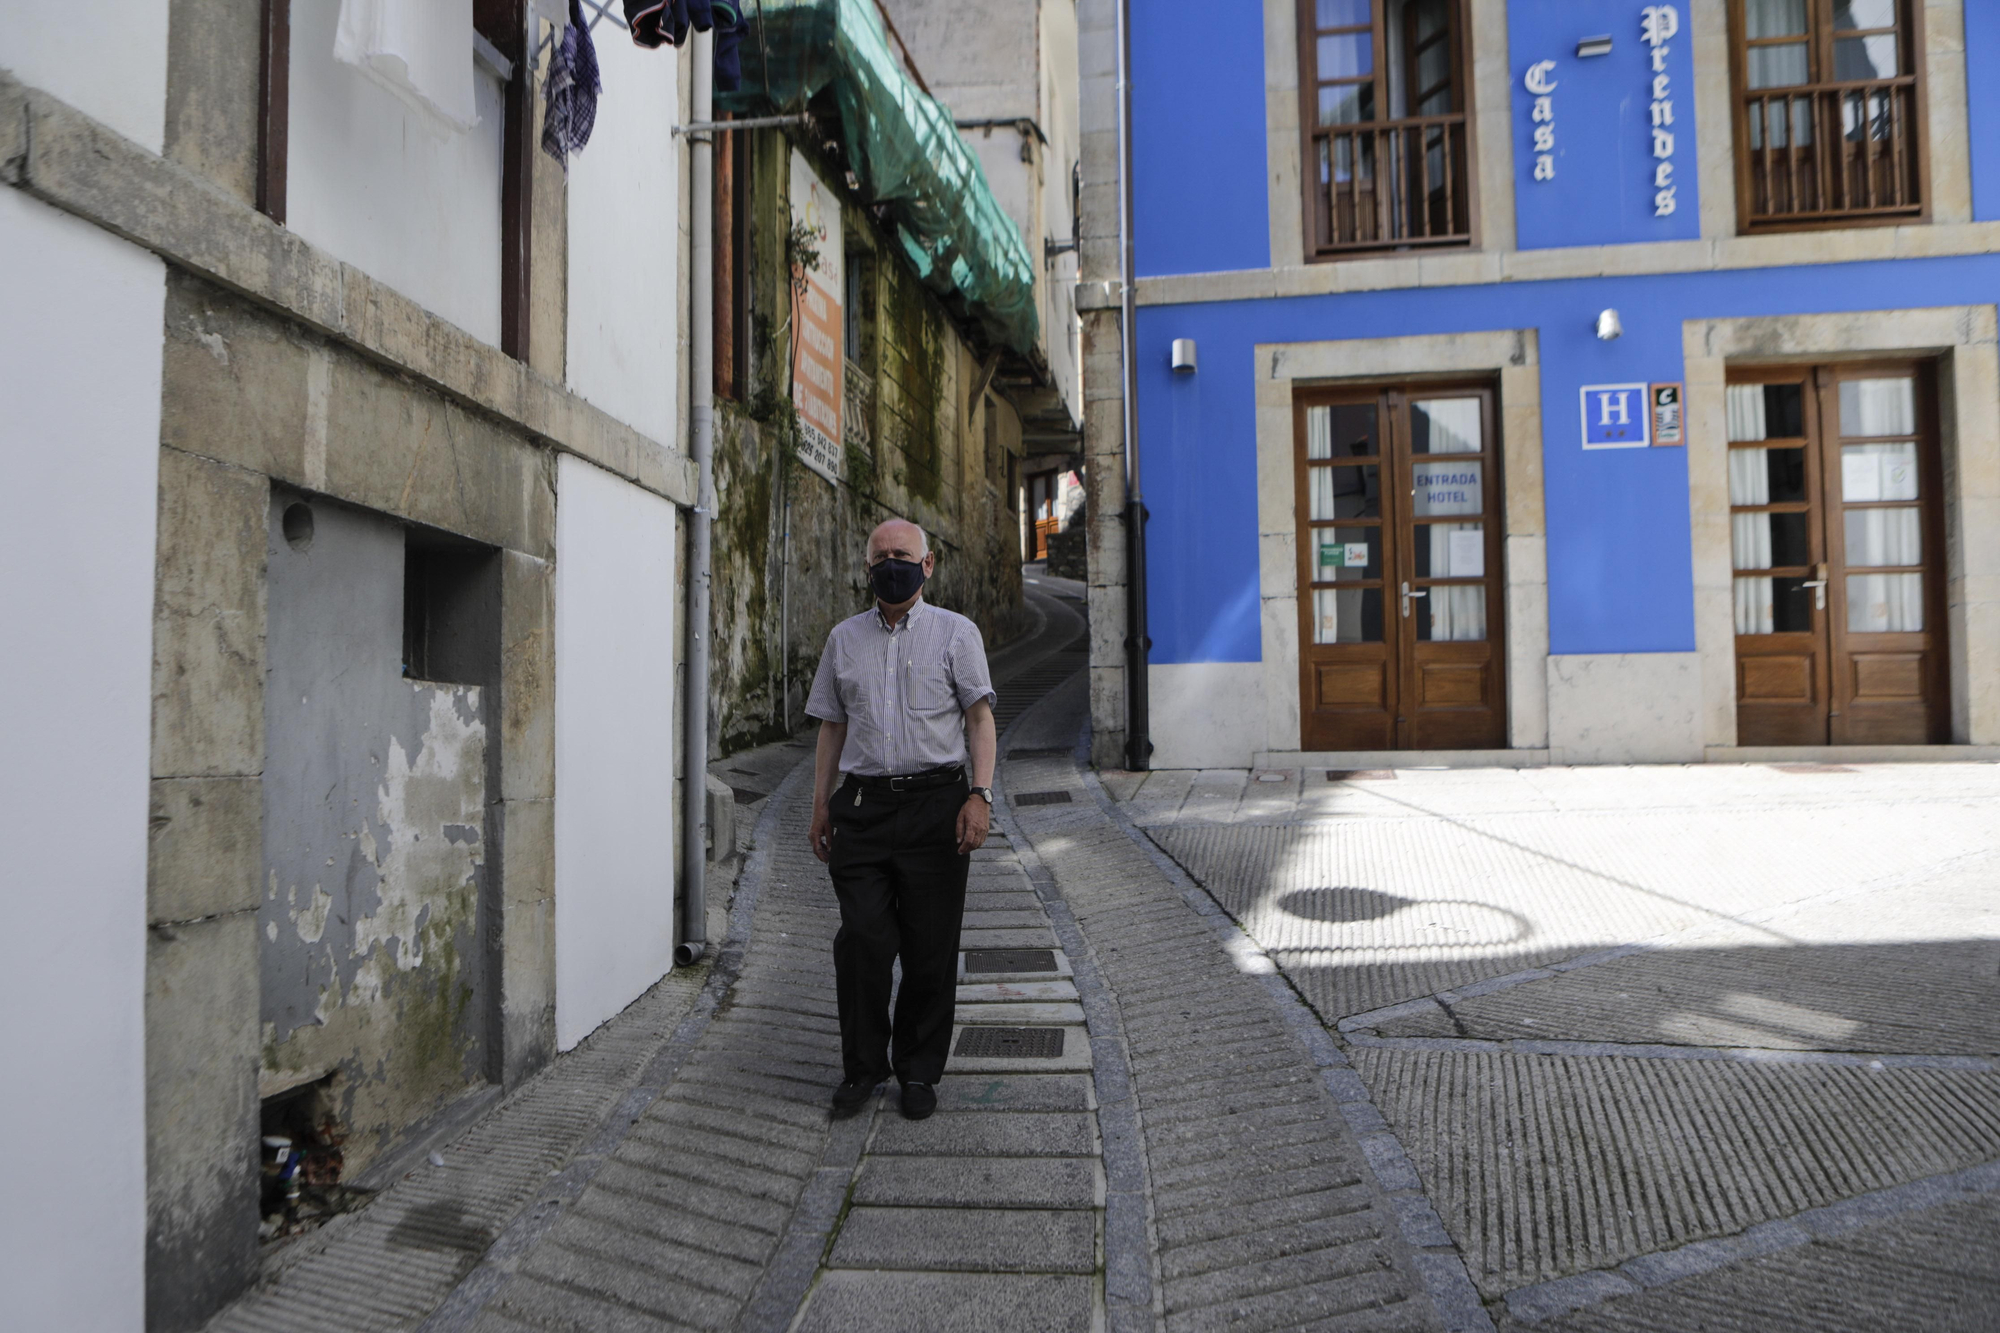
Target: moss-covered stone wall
[(789, 545)]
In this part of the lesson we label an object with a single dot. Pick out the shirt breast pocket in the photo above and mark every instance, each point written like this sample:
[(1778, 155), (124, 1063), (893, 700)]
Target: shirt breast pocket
[(930, 688)]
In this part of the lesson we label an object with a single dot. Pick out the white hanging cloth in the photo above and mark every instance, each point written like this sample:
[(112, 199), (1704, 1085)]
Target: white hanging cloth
[(420, 50)]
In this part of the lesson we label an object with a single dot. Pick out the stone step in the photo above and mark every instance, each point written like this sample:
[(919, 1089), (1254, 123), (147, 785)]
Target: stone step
[(1031, 919), (979, 1182), (974, 1240), (1039, 937), (889, 1302), (1019, 1015), (1002, 991), (989, 1132)]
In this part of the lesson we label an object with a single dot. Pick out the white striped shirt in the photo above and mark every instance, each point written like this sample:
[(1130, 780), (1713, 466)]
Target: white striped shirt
[(901, 690)]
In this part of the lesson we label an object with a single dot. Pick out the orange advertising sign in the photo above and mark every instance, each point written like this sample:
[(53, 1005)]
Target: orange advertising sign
[(817, 326)]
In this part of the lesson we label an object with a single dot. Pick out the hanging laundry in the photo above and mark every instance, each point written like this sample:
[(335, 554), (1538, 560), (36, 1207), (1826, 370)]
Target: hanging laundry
[(730, 28), (656, 23), (419, 50), (572, 89)]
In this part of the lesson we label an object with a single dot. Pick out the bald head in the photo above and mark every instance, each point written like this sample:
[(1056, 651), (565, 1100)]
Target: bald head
[(898, 539)]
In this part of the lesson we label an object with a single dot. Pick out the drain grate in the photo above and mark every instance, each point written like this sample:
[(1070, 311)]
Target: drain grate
[(1361, 775), (1040, 798), (1046, 752), (1010, 1043), (1010, 960)]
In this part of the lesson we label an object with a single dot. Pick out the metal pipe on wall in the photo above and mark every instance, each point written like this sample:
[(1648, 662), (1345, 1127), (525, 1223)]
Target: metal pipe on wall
[(1138, 704), (701, 414)]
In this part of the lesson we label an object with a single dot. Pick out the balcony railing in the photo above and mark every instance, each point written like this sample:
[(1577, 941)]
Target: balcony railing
[(1836, 151), (1390, 184)]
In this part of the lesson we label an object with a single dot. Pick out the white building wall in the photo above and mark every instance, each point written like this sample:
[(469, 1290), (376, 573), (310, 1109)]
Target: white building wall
[(107, 61), (79, 461), (615, 759), (624, 241), (389, 189)]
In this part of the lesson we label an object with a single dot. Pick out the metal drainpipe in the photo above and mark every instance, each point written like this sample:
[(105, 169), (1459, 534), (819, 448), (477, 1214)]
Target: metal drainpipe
[(1138, 722), (701, 412)]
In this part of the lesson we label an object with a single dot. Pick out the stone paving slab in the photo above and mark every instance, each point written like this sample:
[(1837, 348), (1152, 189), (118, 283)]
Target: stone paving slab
[(1017, 1090), (1194, 1063), (1034, 937), (1017, 1014), (1031, 919), (1001, 992), (981, 1133), (976, 1240), (978, 1182), (851, 1302)]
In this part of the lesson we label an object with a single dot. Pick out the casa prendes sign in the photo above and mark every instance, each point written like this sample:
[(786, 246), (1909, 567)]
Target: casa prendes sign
[(1657, 24), (818, 359), (1603, 122)]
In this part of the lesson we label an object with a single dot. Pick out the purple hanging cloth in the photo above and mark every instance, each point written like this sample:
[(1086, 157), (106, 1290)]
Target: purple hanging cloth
[(573, 86)]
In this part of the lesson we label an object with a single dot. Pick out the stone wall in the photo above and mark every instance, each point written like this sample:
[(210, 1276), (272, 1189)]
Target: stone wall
[(920, 453)]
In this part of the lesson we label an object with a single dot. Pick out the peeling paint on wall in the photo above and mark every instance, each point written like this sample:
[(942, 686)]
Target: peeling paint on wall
[(372, 961)]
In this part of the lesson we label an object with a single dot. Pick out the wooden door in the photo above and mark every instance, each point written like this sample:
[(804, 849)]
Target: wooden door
[(1399, 563), (1836, 537)]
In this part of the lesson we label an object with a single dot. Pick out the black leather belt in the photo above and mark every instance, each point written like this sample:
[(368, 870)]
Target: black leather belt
[(924, 781)]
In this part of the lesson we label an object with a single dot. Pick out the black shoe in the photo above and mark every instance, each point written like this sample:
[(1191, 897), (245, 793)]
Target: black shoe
[(919, 1100), (852, 1095)]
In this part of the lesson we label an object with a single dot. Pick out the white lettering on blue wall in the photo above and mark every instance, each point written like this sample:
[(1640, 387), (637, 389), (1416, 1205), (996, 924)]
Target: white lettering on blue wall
[(1614, 416), (1542, 86), (1658, 23)]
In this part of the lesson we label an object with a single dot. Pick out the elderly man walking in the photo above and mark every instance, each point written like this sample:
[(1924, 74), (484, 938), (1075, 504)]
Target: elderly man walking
[(904, 702)]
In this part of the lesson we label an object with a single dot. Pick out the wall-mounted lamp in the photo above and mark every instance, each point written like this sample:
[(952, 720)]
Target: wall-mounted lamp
[(1594, 46), (1609, 326), (1184, 356)]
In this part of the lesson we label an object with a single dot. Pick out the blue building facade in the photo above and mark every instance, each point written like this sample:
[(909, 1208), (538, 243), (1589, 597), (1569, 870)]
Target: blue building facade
[(1574, 380)]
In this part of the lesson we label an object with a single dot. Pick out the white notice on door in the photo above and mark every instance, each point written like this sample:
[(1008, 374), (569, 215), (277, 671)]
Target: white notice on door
[(1468, 554)]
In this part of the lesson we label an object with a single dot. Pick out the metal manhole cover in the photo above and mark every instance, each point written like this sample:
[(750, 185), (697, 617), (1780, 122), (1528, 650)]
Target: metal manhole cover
[(1010, 1043), (1040, 798), (1045, 752), (1010, 960)]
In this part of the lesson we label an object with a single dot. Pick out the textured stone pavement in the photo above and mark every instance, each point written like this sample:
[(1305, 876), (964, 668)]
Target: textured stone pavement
[(1668, 1048), (1581, 1050)]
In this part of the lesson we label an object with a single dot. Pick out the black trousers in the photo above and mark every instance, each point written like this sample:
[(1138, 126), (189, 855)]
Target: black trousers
[(901, 883)]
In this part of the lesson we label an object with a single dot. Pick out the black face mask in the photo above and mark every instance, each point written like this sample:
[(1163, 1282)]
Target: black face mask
[(896, 580)]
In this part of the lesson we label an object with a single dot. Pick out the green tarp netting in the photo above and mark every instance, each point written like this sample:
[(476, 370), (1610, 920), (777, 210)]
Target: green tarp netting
[(903, 148)]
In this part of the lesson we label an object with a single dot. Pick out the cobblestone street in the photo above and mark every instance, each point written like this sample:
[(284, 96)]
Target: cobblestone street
[(1646, 1049)]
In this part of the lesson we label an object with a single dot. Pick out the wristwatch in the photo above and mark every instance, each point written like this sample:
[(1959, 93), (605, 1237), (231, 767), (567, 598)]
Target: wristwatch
[(984, 793)]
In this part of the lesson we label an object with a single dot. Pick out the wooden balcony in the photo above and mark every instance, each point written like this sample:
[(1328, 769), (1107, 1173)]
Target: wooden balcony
[(1388, 185), (1843, 152)]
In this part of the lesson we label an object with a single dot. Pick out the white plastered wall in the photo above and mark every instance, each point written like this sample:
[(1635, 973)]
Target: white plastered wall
[(79, 462), (615, 757), (405, 200), (624, 253), (1212, 708), (1966, 342), (107, 61)]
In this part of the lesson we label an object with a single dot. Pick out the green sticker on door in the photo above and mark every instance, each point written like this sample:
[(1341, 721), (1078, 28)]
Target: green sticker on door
[(1343, 555)]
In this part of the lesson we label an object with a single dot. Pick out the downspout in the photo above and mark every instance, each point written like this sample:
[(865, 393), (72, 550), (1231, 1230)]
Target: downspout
[(1138, 722), (701, 413)]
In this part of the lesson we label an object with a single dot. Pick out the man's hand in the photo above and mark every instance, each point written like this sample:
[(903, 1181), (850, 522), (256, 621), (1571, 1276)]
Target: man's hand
[(821, 834), (975, 817)]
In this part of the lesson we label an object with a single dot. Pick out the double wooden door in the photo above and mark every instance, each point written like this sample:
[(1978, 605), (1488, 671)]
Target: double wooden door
[(1399, 569), (1837, 541)]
